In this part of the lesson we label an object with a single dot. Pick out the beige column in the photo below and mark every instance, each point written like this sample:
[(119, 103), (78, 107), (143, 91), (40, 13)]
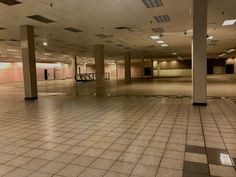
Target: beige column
[(142, 67), (151, 67), (199, 53), (128, 67), (100, 71), (63, 71), (75, 69), (28, 60)]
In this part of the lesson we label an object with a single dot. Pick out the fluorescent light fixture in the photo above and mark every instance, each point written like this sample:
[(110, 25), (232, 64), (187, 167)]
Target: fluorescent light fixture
[(180, 58), (45, 44), (221, 55), (174, 53), (160, 42), (230, 50), (154, 37), (164, 45), (12, 50), (229, 22), (210, 37), (48, 54)]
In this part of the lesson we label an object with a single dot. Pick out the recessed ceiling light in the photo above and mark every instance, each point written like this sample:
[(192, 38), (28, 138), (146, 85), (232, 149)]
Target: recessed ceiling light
[(154, 37), (210, 37), (45, 44), (160, 42), (164, 45), (174, 53), (229, 22), (48, 54)]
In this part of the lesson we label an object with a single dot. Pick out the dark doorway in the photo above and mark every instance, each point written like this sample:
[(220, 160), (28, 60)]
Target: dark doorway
[(229, 69), (147, 71), (46, 74), (210, 69)]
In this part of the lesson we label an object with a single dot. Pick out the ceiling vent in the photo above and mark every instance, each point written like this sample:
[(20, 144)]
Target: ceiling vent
[(130, 29), (152, 3), (158, 30), (162, 18), (40, 19), (71, 29), (104, 36), (214, 41), (108, 41), (56, 40), (10, 2), (119, 45)]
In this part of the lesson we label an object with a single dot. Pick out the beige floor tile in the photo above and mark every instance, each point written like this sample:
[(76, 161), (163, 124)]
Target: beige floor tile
[(5, 169), (144, 171), (150, 160), (102, 164), (222, 171), (172, 164), (35, 164), (194, 157), (93, 152), (163, 172), (122, 167), (19, 161), (84, 161), (52, 167), (71, 171), (112, 155), (91, 172), (19, 173), (115, 174)]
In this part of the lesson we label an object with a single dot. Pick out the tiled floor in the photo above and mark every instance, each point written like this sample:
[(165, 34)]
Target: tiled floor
[(65, 136), (218, 85)]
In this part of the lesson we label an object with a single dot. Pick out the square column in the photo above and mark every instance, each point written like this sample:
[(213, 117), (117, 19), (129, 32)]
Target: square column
[(74, 66), (199, 52), (28, 61), (127, 67), (151, 67), (100, 71)]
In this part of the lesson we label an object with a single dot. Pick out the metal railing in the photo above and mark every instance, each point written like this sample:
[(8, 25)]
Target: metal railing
[(86, 77)]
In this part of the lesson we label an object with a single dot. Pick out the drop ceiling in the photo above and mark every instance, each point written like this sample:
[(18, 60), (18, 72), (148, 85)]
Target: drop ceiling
[(73, 27)]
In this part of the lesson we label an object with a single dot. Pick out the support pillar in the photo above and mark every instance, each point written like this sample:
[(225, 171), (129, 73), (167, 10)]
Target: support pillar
[(127, 67), (28, 61), (199, 52), (74, 65), (100, 71), (142, 67), (151, 67)]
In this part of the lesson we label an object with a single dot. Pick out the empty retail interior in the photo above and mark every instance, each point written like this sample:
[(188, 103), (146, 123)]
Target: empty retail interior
[(117, 88)]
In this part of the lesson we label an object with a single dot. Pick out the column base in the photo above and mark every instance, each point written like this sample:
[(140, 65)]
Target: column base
[(31, 98), (100, 91), (199, 104)]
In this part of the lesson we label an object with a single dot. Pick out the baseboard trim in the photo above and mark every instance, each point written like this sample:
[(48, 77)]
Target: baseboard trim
[(199, 104), (31, 98)]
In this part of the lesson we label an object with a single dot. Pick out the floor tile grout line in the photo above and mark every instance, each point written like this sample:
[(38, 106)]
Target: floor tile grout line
[(204, 139), (130, 142), (168, 139), (210, 110), (151, 140), (47, 151), (114, 141), (186, 137)]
